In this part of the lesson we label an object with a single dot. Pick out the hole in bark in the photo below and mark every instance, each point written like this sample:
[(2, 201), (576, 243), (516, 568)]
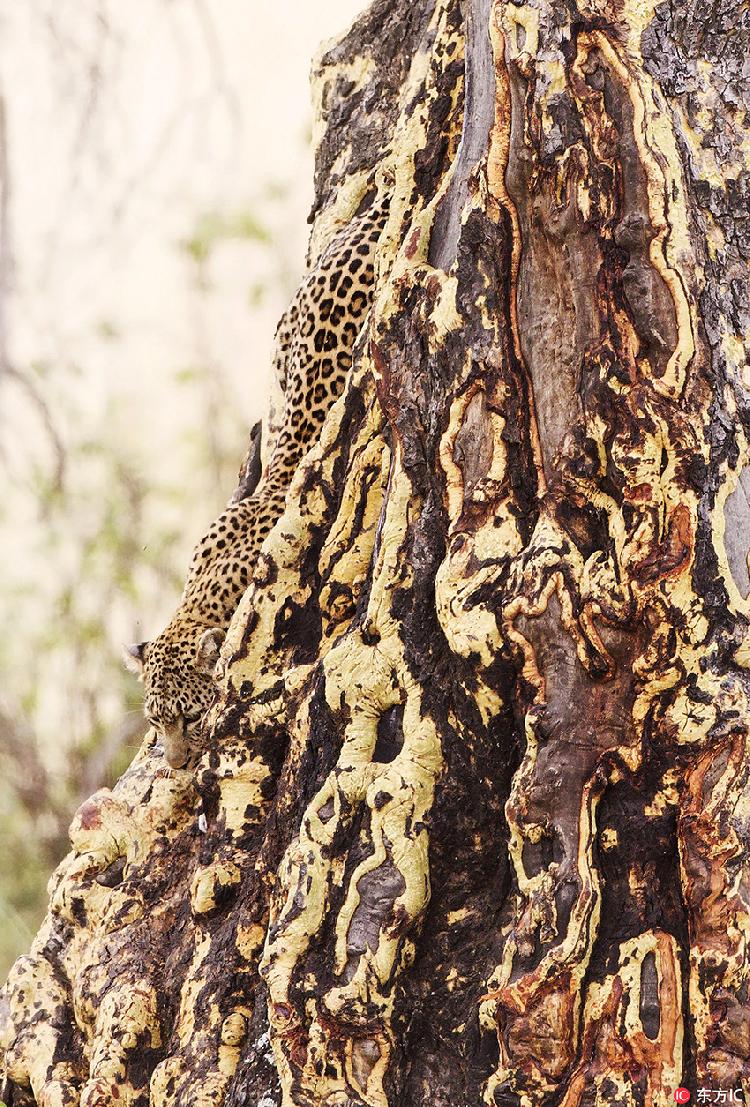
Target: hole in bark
[(506, 1097), (537, 856), (365, 1056), (112, 875), (594, 72), (715, 771), (610, 1090), (326, 811), (381, 799), (390, 735), (648, 1010), (489, 1051), (588, 527), (565, 897), (378, 891)]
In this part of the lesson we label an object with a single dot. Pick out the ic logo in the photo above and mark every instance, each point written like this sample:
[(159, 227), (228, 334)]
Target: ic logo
[(681, 1095)]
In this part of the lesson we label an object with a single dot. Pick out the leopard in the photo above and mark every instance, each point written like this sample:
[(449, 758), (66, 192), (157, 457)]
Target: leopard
[(313, 354)]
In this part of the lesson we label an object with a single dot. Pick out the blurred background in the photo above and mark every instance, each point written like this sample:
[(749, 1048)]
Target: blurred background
[(155, 177)]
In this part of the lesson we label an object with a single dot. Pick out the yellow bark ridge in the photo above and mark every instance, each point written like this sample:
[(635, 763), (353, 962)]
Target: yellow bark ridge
[(495, 539)]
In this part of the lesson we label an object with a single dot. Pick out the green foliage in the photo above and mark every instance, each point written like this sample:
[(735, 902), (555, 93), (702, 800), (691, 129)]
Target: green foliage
[(214, 227), (24, 869)]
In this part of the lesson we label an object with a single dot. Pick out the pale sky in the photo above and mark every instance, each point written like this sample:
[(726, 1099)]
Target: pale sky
[(122, 131)]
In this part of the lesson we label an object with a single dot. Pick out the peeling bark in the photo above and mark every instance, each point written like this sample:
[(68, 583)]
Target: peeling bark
[(473, 821)]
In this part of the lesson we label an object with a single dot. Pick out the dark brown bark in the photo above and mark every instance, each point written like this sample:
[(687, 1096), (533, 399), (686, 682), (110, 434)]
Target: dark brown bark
[(473, 821)]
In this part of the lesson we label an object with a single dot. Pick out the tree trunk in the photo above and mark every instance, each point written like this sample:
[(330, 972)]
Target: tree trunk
[(473, 823)]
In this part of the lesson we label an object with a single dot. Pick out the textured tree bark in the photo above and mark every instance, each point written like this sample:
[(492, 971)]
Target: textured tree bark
[(473, 823)]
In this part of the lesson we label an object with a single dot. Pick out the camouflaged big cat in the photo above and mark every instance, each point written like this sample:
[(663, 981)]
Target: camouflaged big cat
[(312, 358)]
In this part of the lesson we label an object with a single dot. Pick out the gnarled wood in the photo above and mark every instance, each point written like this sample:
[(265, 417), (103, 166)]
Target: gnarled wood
[(473, 824)]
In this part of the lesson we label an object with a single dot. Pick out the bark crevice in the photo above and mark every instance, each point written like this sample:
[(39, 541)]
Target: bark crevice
[(472, 823)]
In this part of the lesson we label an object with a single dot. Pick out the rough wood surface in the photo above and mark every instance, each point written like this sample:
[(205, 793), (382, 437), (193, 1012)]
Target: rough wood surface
[(473, 820)]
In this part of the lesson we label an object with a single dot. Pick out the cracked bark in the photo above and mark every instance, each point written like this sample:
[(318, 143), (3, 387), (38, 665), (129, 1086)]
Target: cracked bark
[(472, 823)]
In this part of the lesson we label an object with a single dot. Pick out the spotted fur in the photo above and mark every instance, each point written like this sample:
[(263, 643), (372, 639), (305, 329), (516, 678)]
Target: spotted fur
[(313, 355)]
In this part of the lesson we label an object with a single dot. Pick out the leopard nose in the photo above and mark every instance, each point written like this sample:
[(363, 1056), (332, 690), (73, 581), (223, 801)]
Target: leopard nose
[(176, 759), (176, 750)]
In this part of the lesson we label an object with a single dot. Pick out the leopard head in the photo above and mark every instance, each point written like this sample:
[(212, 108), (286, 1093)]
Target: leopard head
[(178, 687)]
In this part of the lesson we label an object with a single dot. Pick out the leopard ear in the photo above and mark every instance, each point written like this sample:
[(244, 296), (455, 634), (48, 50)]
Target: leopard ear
[(209, 645), (134, 656)]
